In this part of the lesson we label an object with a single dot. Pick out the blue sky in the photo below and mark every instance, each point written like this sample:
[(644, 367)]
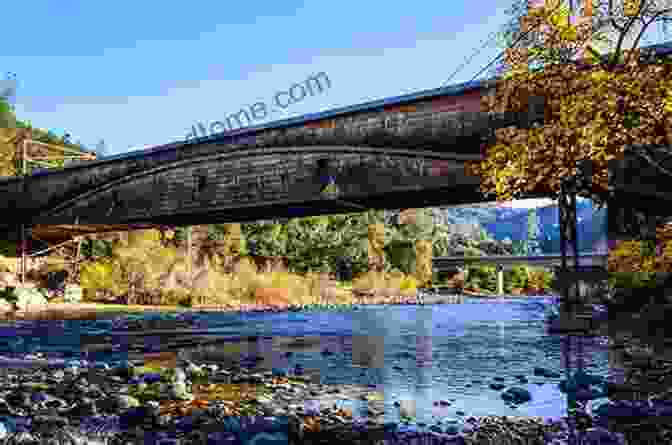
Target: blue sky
[(139, 74)]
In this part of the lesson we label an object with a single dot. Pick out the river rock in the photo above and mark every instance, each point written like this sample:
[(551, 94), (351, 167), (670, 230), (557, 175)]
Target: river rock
[(180, 392), (544, 372), (195, 371), (407, 408), (624, 412), (126, 402), (516, 395), (179, 376)]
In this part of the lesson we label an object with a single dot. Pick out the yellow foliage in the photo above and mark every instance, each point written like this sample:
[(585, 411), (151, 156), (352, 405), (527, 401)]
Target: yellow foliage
[(96, 275), (232, 239), (392, 284), (7, 264), (423, 261), (376, 244), (409, 285), (8, 150), (537, 279), (582, 116), (142, 238)]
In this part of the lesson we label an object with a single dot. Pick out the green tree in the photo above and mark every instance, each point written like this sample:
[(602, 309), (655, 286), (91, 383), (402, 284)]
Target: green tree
[(96, 248), (268, 238), (7, 116)]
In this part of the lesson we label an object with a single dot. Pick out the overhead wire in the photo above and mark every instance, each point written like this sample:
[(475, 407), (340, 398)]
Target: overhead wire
[(489, 40), (513, 44)]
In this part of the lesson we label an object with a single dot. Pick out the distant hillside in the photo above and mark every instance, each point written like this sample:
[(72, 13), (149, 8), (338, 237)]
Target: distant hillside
[(512, 223)]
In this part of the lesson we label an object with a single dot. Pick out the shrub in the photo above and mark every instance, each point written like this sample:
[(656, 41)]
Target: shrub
[(423, 273), (173, 297), (186, 301), (517, 277), (9, 295), (408, 285), (95, 276), (631, 280), (482, 277), (539, 279)]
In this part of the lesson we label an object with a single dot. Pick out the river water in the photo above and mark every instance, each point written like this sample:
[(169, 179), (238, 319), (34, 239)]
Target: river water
[(422, 353)]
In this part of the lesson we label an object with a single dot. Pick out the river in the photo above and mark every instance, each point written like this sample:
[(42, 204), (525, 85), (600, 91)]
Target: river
[(423, 353)]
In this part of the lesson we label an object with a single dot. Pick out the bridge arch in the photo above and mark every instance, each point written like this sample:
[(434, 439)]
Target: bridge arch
[(264, 177)]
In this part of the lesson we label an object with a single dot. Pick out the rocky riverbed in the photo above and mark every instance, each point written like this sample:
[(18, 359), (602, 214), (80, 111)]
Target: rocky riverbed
[(151, 400)]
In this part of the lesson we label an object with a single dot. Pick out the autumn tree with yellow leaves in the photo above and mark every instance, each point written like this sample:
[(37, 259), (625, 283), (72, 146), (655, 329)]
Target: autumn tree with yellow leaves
[(594, 107)]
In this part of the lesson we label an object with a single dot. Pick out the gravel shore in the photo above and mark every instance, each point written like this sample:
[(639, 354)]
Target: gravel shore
[(160, 398)]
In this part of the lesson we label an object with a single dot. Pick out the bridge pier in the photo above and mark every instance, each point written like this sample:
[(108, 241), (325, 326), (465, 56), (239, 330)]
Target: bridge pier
[(500, 279)]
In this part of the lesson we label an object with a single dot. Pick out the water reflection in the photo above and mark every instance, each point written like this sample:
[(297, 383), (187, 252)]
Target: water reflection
[(420, 353)]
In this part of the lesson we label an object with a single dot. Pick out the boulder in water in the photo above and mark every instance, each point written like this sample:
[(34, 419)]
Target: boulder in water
[(544, 372), (516, 395)]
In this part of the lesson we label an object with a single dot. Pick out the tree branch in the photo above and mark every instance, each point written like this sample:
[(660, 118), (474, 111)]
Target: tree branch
[(611, 15), (621, 38), (651, 161), (644, 28)]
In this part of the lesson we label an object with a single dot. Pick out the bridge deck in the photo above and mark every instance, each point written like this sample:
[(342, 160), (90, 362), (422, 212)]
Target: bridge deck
[(451, 263)]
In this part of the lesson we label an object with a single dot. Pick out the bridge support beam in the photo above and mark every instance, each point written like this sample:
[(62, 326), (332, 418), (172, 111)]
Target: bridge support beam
[(569, 188), (500, 279)]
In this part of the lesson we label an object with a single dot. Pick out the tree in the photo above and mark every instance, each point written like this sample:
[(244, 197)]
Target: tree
[(594, 106), (266, 238), (138, 263), (7, 117), (518, 32), (510, 32)]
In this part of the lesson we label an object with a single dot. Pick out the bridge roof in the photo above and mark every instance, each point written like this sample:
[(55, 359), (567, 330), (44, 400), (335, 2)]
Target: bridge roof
[(450, 90)]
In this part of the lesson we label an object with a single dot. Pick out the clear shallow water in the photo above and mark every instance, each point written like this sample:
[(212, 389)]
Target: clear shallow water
[(421, 353)]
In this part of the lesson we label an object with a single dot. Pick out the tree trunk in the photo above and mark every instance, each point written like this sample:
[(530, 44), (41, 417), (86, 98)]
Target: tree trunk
[(423, 262), (376, 245)]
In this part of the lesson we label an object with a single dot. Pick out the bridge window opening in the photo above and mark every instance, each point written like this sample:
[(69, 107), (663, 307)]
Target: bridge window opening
[(200, 183), (116, 199)]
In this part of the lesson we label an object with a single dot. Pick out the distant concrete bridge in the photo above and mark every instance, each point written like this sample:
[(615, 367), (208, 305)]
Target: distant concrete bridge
[(451, 263), (593, 260)]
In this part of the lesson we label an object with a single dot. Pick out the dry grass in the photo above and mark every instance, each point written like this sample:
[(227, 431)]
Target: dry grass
[(246, 286), (81, 311)]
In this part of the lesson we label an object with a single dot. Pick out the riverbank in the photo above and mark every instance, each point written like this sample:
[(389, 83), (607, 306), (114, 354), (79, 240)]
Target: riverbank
[(87, 311)]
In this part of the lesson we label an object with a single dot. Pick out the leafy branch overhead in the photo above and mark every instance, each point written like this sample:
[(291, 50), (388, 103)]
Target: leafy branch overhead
[(594, 106)]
